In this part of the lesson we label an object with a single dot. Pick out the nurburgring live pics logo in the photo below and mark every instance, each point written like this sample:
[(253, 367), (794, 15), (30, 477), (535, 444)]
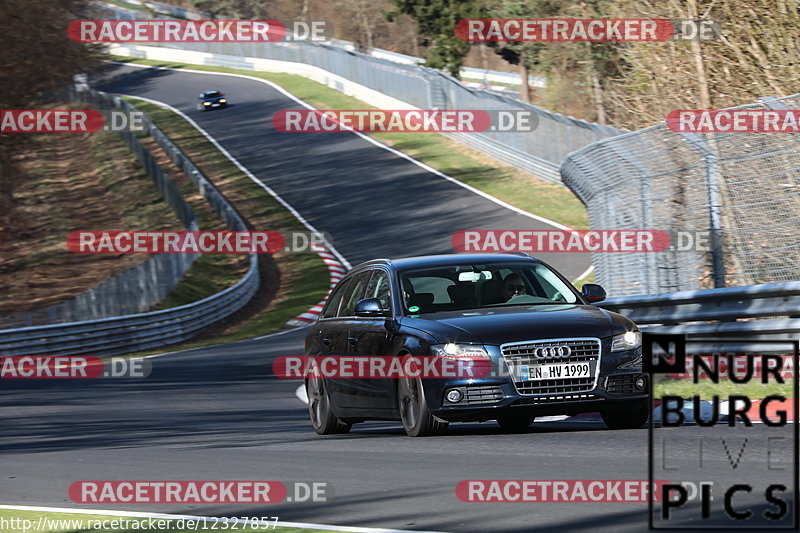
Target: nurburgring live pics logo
[(750, 487)]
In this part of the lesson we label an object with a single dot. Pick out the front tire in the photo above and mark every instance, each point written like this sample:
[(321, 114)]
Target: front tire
[(320, 411), (632, 415), (515, 422), (418, 421)]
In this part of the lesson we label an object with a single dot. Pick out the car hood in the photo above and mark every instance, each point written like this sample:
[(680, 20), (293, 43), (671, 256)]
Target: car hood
[(499, 325)]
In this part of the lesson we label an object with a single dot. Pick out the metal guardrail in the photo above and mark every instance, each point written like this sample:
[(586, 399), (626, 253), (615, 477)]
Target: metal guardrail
[(539, 152), (717, 313), (467, 73), (142, 331), (139, 288)]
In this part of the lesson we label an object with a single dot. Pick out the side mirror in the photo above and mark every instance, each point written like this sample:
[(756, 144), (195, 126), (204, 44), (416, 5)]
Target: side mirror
[(370, 308), (593, 293)]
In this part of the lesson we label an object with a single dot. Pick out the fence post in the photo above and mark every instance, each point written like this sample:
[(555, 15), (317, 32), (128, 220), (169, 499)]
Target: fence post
[(714, 202)]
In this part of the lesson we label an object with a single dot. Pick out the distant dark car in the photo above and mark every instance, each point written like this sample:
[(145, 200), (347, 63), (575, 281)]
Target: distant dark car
[(212, 100), (556, 352)]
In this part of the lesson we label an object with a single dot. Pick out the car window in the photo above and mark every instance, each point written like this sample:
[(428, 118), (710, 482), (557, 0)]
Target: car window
[(354, 293), (379, 288), (432, 285), (549, 283), (473, 286), (334, 300)]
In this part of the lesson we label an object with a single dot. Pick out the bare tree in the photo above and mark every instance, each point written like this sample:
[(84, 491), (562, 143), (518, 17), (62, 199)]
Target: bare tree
[(36, 59)]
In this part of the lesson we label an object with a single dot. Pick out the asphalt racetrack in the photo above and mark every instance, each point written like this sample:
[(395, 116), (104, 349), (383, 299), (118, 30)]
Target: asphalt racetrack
[(218, 413)]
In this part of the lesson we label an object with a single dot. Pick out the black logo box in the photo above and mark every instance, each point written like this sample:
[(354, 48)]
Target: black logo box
[(673, 361)]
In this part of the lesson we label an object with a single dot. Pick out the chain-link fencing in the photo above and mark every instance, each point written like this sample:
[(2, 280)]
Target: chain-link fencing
[(738, 192), (539, 152)]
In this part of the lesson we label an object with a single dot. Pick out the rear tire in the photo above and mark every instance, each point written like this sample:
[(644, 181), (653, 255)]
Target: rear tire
[(632, 415), (418, 421), (515, 422), (320, 411)]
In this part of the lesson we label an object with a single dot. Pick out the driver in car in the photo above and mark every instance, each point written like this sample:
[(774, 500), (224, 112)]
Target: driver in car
[(513, 286)]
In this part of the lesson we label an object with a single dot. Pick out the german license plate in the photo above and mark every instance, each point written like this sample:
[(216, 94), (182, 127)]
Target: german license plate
[(555, 371)]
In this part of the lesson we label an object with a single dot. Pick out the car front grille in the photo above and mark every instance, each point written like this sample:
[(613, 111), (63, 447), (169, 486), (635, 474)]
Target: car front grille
[(622, 384), (478, 395), (482, 394), (528, 353), (559, 398)]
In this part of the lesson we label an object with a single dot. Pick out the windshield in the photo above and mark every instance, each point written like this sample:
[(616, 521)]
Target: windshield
[(212, 94), (463, 287)]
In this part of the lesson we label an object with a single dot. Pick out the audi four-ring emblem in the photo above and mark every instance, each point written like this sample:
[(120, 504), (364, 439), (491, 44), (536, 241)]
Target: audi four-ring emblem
[(552, 351)]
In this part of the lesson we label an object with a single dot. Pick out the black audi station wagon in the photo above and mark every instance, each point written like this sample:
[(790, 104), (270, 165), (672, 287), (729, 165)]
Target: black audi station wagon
[(554, 351)]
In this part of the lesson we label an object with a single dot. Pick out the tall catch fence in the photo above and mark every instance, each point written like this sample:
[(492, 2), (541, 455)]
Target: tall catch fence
[(539, 152), (738, 192)]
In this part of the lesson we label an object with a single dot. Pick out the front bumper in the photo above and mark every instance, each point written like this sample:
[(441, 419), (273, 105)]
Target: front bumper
[(488, 398)]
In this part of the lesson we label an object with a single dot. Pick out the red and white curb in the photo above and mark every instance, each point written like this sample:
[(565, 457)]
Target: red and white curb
[(336, 270)]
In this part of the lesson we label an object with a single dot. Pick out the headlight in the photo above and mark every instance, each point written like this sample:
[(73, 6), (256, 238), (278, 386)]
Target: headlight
[(206, 103), (222, 100), (627, 341), (459, 351)]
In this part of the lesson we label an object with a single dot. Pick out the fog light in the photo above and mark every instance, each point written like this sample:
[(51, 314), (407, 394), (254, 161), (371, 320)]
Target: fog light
[(639, 383), (454, 395)]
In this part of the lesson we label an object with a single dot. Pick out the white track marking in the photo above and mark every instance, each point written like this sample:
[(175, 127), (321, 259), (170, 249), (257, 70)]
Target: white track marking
[(134, 514), (245, 171), (301, 394), (369, 139), (328, 254), (585, 274), (360, 134)]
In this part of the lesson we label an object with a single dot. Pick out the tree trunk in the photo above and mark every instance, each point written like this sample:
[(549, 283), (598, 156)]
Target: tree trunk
[(524, 87), (599, 102), (7, 175), (702, 78)]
